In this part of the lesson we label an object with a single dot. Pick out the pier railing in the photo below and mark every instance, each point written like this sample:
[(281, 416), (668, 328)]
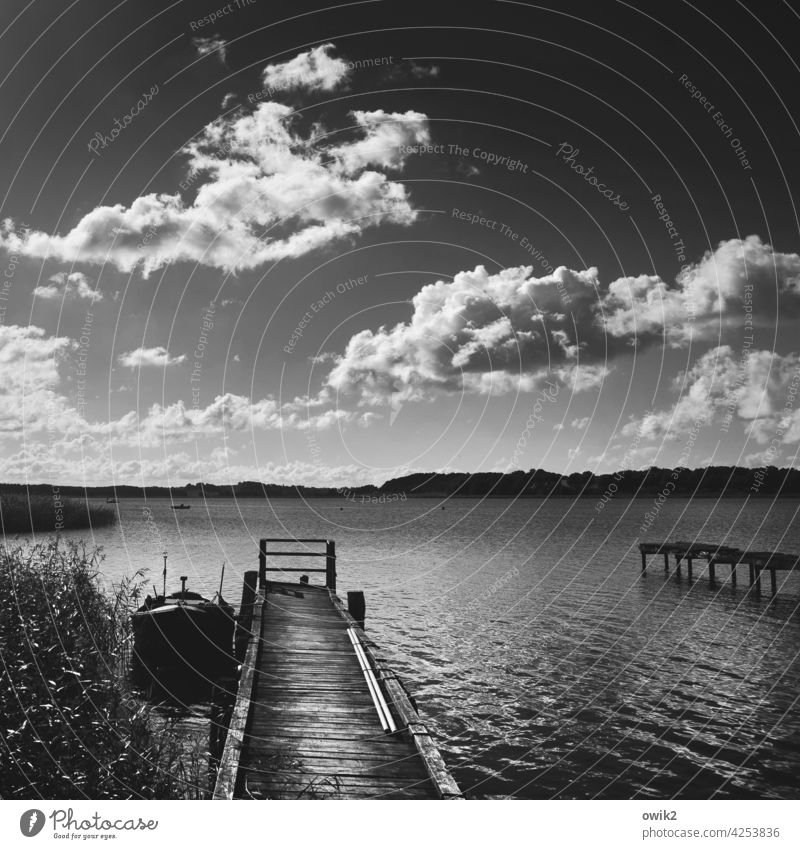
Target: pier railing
[(329, 554)]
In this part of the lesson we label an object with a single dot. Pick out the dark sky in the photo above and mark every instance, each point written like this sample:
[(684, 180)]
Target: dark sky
[(686, 114)]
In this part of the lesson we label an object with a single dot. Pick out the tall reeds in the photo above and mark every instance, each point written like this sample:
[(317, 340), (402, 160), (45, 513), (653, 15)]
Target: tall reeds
[(49, 514), (69, 726)]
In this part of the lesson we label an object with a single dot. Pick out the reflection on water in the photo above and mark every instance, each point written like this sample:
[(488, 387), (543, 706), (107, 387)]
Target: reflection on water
[(545, 663)]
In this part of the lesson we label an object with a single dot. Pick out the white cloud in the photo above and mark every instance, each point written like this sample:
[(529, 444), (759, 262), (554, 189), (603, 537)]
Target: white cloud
[(580, 424), (384, 137), (262, 194), (505, 332), (29, 378), (158, 357), (421, 71), (758, 391), (68, 285), (741, 277), (313, 70), (213, 44)]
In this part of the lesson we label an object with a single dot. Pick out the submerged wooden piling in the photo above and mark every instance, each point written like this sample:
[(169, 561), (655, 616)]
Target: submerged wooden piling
[(714, 555), (357, 606)]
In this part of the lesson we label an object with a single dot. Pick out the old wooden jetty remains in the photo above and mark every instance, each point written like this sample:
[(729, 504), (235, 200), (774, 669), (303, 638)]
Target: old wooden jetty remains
[(318, 714), (722, 555)]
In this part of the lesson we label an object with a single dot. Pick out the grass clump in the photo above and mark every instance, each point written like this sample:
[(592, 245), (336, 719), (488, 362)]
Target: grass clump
[(69, 726), (49, 514)]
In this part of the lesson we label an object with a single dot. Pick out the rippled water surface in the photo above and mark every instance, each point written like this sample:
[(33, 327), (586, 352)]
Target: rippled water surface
[(543, 660)]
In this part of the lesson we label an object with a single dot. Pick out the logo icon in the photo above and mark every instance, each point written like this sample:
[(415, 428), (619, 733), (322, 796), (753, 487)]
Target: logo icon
[(31, 822)]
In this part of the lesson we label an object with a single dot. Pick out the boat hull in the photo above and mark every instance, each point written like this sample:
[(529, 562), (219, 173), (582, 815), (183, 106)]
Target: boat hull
[(199, 638)]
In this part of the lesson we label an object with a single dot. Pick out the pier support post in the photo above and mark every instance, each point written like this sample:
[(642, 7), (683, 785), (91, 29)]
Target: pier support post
[(711, 571), (733, 574), (262, 563), (330, 565), (752, 574), (758, 580), (357, 606), (689, 567), (245, 618), (666, 562), (678, 565), (644, 562), (773, 582)]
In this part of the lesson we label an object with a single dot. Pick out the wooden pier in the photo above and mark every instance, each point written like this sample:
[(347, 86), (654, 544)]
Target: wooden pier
[(722, 555), (318, 714)]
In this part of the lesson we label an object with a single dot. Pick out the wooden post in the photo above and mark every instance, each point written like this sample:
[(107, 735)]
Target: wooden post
[(733, 573), (644, 562), (712, 571), (262, 563), (752, 574), (245, 614), (758, 580), (773, 582), (357, 606), (666, 562), (678, 564), (689, 567), (330, 565)]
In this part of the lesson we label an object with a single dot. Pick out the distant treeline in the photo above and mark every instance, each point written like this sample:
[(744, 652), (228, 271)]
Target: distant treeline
[(713, 481)]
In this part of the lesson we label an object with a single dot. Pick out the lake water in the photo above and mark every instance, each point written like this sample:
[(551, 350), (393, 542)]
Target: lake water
[(544, 662)]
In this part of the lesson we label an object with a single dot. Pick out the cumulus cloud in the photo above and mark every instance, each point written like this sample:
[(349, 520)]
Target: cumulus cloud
[(482, 333), (742, 277), (157, 357), (68, 285), (29, 377), (384, 136), (213, 44), (506, 332), (261, 192), (759, 390), (314, 70)]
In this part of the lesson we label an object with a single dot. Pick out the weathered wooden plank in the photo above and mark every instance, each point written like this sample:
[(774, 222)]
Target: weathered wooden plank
[(313, 728), (227, 772)]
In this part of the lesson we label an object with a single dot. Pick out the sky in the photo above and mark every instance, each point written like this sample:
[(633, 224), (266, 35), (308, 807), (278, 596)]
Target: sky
[(334, 245)]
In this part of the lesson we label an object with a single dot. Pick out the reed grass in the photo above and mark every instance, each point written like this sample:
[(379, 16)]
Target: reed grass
[(49, 514), (70, 727)]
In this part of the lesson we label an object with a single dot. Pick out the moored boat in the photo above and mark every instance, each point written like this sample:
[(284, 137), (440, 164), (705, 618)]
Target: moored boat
[(184, 629), (181, 506)]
